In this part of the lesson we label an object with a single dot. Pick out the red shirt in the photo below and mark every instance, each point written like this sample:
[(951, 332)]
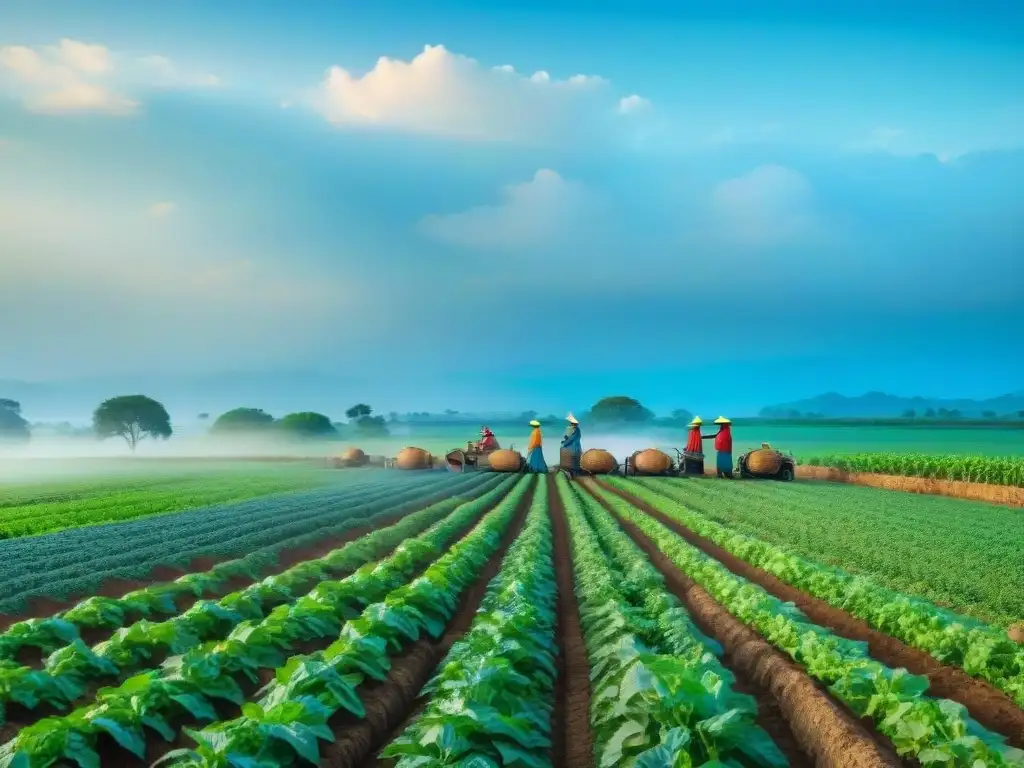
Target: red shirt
[(487, 442), (693, 443), (723, 440)]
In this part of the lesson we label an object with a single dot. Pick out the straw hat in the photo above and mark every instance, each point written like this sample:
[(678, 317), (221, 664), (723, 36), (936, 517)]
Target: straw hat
[(534, 423), (697, 421), (571, 419), (722, 420)]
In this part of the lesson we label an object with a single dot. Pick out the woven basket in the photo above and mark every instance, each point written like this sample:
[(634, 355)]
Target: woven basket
[(764, 461), (505, 460), (413, 458), (597, 461), (565, 458), (652, 462), (354, 457)]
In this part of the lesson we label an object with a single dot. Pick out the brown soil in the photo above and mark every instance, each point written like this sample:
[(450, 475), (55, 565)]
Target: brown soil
[(38, 608), (572, 739), (388, 703), (986, 704), (157, 748), (799, 716), (1005, 495)]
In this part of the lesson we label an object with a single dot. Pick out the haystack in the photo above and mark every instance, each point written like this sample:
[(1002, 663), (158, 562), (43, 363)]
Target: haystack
[(764, 461), (598, 461), (414, 458), (651, 462), (505, 460), (354, 457)]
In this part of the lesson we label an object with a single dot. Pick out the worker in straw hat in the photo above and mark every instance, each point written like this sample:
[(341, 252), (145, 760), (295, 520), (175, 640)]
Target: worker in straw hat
[(534, 452), (693, 454), (488, 442), (723, 447), (572, 448)]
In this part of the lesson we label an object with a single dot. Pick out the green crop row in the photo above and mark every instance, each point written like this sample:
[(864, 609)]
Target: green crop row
[(979, 649), (932, 731), (184, 687), (68, 670), (960, 554), (308, 690), (650, 705), (997, 470), (78, 561), (495, 689), (39, 517), (52, 633)]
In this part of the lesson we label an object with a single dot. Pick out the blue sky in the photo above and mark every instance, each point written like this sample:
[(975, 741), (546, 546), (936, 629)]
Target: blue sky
[(825, 196)]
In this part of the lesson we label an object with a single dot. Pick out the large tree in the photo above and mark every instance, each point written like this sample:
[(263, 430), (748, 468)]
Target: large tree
[(242, 420), (133, 417), (358, 411), (13, 428), (307, 424), (619, 410)]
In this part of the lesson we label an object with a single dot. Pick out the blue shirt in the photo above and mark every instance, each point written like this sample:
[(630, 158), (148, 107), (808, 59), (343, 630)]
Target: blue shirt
[(572, 441)]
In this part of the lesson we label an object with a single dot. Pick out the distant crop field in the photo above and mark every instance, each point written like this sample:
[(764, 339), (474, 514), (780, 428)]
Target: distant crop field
[(804, 441), (53, 501)]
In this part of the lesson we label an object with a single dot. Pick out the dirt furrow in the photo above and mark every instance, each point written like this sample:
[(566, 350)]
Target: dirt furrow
[(19, 717), (986, 704), (793, 709), (389, 703), (156, 748), (43, 607), (573, 741)]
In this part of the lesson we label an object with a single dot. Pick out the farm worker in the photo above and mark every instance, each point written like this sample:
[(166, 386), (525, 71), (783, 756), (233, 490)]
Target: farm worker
[(571, 444), (723, 446), (487, 439), (693, 454), (534, 453)]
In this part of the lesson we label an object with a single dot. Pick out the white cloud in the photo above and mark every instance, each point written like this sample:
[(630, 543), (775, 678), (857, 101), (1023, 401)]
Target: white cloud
[(770, 206), (632, 104), (91, 58), (83, 97), (443, 93), (77, 77), (67, 78), (534, 214), (162, 210)]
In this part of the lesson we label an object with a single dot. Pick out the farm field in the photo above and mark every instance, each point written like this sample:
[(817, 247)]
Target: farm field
[(43, 506), (960, 554), (412, 620), (994, 470)]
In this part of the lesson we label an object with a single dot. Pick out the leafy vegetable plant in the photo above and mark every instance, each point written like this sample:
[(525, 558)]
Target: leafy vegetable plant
[(650, 706), (492, 697), (933, 731)]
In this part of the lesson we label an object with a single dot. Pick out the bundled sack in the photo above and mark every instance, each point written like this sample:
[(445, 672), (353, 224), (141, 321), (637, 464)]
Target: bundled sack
[(598, 461), (651, 462), (414, 458)]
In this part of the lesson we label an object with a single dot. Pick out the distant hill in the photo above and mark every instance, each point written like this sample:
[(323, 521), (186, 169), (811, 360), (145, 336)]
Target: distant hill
[(882, 405)]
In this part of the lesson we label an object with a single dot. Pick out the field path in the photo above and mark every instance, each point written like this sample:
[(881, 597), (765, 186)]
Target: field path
[(390, 703), (573, 741), (985, 703), (801, 718)]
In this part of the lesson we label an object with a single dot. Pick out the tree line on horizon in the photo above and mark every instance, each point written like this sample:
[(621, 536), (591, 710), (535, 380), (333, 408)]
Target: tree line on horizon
[(138, 417), (135, 418)]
